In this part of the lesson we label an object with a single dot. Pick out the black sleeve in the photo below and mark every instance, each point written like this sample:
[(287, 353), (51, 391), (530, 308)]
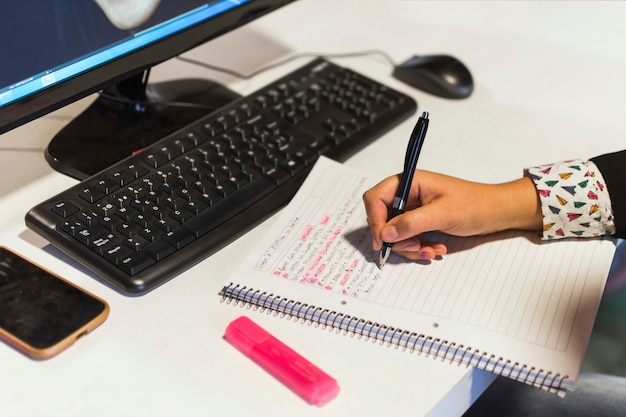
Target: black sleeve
[(613, 169)]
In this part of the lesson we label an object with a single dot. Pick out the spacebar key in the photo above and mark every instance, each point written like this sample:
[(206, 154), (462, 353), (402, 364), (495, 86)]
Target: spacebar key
[(223, 210)]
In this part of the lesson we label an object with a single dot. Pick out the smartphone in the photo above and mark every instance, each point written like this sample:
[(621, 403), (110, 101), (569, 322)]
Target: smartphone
[(41, 314)]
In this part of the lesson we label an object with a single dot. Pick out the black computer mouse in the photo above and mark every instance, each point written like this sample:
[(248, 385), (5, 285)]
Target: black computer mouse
[(441, 75)]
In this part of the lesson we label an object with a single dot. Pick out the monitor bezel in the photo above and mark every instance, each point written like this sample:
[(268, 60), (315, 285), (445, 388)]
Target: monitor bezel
[(66, 92)]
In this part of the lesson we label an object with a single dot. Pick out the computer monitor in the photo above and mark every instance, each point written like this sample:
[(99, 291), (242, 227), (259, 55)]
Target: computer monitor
[(56, 51)]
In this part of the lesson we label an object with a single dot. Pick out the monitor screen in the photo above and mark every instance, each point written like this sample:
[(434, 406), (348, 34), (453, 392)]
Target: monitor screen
[(57, 51)]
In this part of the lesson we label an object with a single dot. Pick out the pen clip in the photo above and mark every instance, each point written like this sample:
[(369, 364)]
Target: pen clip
[(415, 143), (412, 153)]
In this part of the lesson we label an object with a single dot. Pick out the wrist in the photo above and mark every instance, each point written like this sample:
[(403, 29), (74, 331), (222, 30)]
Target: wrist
[(517, 205)]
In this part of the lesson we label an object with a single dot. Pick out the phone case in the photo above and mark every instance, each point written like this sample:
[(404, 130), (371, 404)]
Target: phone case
[(41, 313)]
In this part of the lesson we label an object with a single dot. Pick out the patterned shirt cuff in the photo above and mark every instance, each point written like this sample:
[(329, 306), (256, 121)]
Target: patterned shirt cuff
[(574, 200)]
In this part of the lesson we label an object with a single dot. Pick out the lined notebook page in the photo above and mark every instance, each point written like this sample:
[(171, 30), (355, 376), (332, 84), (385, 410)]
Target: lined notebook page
[(508, 294)]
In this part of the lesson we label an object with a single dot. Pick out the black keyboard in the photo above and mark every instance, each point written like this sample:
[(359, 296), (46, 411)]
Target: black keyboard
[(151, 216)]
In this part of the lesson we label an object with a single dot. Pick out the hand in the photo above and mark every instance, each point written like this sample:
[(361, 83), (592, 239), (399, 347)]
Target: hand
[(451, 205)]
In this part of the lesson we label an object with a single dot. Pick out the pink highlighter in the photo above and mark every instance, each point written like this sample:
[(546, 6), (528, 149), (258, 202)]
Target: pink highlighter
[(300, 375)]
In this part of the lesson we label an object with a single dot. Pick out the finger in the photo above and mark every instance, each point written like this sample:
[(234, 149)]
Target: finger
[(416, 248), (424, 254), (377, 201), (440, 249)]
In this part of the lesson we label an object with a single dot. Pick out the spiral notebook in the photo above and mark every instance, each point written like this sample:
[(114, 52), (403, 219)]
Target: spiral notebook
[(507, 303)]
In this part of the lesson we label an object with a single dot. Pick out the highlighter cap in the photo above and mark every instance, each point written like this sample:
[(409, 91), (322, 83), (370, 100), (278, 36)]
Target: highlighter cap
[(244, 334)]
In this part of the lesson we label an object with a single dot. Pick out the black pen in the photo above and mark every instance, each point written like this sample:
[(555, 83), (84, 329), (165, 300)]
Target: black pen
[(410, 163)]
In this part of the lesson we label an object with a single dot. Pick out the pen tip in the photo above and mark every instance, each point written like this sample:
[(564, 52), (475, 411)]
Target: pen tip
[(384, 254), (425, 115)]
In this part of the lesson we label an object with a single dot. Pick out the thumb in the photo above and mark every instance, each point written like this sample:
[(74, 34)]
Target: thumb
[(414, 222)]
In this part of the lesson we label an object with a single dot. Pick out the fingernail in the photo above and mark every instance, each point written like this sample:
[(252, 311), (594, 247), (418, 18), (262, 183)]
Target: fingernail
[(423, 256)]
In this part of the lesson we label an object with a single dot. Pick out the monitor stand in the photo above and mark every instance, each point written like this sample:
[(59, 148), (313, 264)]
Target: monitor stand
[(122, 121)]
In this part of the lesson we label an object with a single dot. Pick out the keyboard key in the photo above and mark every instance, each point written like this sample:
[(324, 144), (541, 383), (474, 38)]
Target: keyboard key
[(135, 263), (110, 222), (278, 175), (136, 243), (159, 250), (72, 227), (107, 186), (91, 195), (116, 253), (102, 243), (87, 235), (121, 178), (65, 209), (129, 229), (179, 238), (151, 234)]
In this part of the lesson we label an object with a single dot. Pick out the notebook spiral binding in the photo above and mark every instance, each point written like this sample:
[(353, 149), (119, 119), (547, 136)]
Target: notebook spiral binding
[(392, 337)]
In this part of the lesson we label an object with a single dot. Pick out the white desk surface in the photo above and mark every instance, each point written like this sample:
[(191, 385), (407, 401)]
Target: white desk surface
[(550, 85)]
